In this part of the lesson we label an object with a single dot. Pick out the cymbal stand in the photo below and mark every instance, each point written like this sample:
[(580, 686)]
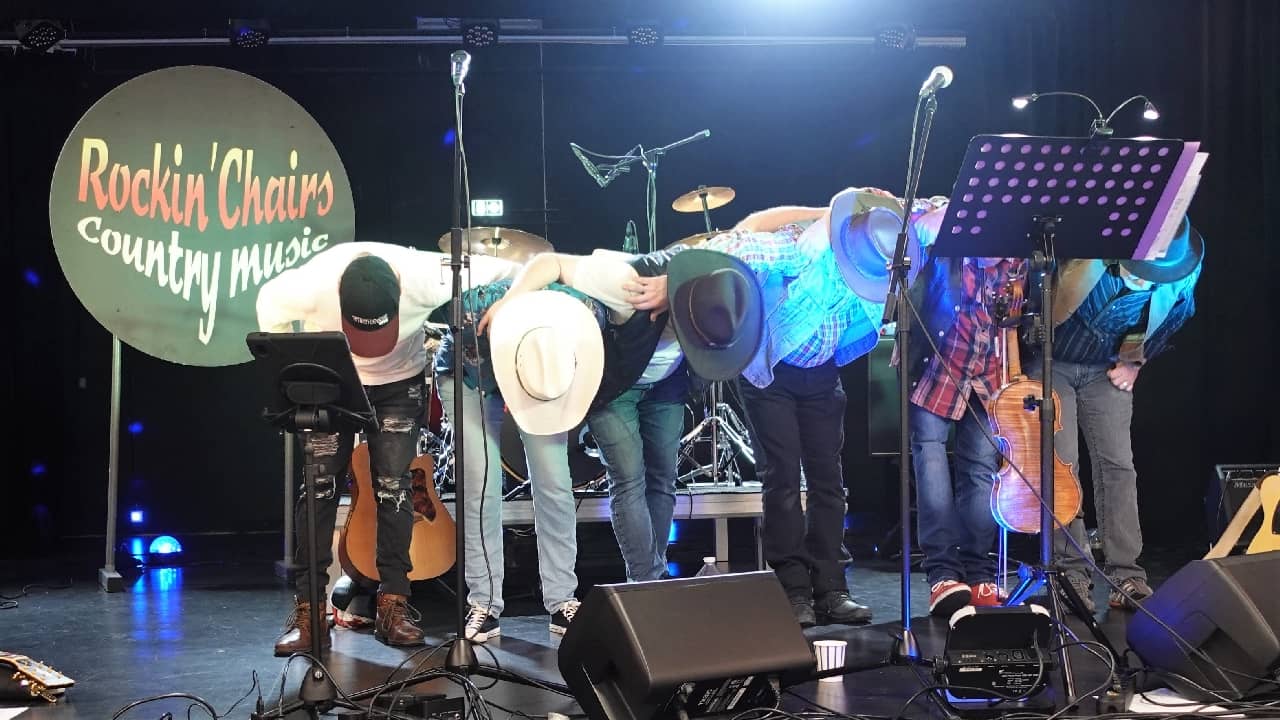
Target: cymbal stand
[(706, 211), (726, 429)]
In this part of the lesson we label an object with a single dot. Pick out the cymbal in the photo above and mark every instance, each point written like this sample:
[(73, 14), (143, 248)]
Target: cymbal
[(506, 243), (696, 239), (691, 201)]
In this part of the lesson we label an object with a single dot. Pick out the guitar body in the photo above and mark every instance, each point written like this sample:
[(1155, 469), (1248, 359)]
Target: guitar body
[(1268, 536), (433, 548), (1013, 502)]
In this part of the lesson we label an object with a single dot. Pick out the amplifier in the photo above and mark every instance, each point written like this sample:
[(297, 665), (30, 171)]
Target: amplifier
[(997, 651), (1230, 486)]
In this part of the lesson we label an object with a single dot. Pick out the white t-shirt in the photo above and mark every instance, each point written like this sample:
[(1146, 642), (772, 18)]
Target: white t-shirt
[(308, 295), (601, 275)]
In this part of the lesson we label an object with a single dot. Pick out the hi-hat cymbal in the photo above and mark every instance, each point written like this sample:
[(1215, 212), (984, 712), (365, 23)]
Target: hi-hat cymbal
[(507, 243), (696, 239), (692, 201)]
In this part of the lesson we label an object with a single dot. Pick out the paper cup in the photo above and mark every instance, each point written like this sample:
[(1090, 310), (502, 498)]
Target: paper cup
[(830, 656)]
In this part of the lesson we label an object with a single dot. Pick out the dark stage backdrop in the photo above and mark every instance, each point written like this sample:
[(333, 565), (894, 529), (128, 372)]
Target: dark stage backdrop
[(788, 125)]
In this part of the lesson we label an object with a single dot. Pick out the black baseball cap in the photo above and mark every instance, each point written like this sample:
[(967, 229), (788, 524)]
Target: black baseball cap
[(369, 301)]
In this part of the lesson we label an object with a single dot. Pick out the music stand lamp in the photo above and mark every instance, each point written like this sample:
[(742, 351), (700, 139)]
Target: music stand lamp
[(312, 387), (1119, 198)]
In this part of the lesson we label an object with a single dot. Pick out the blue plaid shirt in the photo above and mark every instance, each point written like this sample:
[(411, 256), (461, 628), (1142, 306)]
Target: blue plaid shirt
[(811, 316), (1113, 317)]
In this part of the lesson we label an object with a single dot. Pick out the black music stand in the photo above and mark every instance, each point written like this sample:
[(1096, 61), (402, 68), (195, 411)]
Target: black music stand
[(311, 385), (1117, 197)]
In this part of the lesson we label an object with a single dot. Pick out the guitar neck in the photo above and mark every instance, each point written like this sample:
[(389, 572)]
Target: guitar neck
[(1012, 357)]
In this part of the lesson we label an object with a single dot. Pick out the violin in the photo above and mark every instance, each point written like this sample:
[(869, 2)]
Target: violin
[(1011, 411)]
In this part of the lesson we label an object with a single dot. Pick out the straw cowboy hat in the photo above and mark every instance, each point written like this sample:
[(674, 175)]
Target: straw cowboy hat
[(863, 229), (548, 358)]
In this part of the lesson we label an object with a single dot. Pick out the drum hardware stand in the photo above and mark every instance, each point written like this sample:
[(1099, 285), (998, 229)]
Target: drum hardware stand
[(604, 173), (719, 419)]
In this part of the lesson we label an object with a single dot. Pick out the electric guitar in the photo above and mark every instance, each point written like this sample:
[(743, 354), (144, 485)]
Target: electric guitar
[(1265, 497), (433, 548), (31, 679)]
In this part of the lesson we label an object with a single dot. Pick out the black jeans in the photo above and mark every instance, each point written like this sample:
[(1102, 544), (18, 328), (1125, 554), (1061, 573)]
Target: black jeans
[(399, 407), (799, 421)]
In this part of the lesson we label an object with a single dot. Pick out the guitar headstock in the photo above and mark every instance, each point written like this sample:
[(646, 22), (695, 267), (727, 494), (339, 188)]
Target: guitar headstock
[(34, 678)]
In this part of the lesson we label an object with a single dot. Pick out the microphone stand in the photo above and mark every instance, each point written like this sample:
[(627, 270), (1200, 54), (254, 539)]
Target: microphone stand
[(905, 648), (462, 656)]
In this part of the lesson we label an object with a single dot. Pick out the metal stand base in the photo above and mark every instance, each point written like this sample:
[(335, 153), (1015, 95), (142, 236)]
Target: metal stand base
[(727, 434), (110, 580)]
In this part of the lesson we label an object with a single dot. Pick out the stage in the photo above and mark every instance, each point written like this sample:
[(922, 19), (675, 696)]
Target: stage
[(207, 628)]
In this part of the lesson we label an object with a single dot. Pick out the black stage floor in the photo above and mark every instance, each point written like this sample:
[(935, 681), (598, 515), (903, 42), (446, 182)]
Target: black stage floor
[(207, 628)]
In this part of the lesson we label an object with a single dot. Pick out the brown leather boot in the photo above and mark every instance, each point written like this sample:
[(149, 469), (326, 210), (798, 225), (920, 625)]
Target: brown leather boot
[(297, 634), (394, 624)]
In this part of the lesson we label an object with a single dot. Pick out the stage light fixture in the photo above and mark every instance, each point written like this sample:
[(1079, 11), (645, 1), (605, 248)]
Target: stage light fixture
[(136, 517), (896, 37), (646, 34), (248, 33), (1149, 111), (479, 34), (39, 35), (165, 545), (1101, 124)]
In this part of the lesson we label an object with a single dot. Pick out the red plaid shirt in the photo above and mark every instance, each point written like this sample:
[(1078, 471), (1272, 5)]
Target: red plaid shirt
[(970, 351)]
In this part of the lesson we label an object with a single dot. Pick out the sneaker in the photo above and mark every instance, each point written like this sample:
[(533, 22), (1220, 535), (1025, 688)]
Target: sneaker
[(561, 618), (1084, 589), (948, 596), (837, 608), (985, 594), (481, 624), (1135, 589)]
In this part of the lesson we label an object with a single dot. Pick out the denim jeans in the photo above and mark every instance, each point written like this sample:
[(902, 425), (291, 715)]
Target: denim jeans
[(798, 422), (1090, 403), (555, 518), (639, 439), (392, 447), (956, 527)]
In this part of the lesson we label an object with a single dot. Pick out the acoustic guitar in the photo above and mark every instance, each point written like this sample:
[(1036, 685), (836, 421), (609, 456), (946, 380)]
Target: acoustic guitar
[(22, 678), (433, 548), (1264, 498), (1015, 423)]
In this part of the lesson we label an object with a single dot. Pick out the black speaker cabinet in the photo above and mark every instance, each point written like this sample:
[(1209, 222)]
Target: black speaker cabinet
[(701, 645), (1229, 610)]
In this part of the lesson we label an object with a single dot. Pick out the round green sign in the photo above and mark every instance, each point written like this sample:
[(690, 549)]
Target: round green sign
[(179, 194)]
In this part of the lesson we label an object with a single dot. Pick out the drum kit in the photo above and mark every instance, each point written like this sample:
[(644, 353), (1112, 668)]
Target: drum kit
[(715, 441)]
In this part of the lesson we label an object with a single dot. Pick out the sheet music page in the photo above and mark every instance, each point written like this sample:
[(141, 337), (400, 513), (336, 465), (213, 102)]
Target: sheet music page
[(1178, 209)]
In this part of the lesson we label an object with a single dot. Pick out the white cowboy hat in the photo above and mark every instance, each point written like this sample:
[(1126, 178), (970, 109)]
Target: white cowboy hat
[(548, 358)]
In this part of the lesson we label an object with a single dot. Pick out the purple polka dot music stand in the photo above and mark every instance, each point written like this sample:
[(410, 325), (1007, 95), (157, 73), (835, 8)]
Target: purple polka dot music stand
[(1047, 198), (1113, 198)]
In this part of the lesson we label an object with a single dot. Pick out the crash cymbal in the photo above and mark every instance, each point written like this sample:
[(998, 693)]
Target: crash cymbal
[(507, 243), (691, 201), (696, 239)]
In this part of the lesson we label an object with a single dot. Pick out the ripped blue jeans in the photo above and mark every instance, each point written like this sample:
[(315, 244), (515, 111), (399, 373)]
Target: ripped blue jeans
[(399, 409)]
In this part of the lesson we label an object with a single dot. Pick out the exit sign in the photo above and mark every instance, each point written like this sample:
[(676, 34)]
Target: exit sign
[(486, 207)]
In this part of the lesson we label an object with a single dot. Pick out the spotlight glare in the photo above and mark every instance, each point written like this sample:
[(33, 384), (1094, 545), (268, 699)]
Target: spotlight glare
[(136, 517), (1021, 102), (165, 545), (1150, 112)]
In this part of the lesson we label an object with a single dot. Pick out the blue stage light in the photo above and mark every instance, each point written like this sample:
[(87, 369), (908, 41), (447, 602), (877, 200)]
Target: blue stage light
[(136, 517), (136, 547), (165, 545), (449, 136), (32, 278), (135, 427), (38, 469), (674, 534)]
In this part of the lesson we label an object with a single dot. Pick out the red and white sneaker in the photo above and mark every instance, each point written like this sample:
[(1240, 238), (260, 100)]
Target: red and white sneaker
[(985, 594), (948, 596), (345, 619)]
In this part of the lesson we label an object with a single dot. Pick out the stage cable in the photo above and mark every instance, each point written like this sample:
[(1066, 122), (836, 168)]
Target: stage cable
[(10, 602)]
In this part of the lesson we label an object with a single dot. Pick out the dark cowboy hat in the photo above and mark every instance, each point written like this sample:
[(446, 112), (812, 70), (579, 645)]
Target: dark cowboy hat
[(717, 310), (1185, 253)]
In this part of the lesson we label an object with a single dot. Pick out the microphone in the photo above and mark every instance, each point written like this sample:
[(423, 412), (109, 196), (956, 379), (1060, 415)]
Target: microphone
[(459, 63), (940, 77)]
